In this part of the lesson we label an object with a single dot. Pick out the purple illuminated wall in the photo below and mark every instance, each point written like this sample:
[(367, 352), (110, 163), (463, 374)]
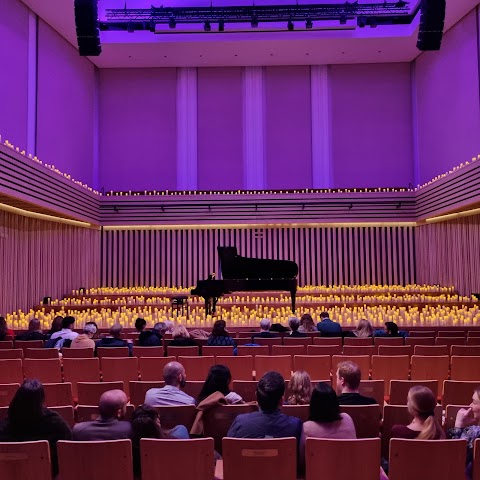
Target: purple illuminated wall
[(288, 141), (447, 98), (66, 85), (220, 128), (14, 72), (138, 129), (371, 125)]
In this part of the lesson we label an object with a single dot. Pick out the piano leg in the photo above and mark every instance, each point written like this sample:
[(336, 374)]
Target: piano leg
[(293, 294)]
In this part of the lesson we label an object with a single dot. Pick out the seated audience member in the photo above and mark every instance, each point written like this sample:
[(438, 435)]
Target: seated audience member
[(140, 325), (153, 337), (467, 426), (294, 324), (327, 327), (218, 380), (348, 382), (181, 338), (108, 426), (390, 330), (175, 379), (307, 324), (421, 404), (96, 336), (64, 336), (269, 421), (265, 325), (299, 389), (56, 325), (115, 339), (4, 330), (325, 419), (28, 420), (34, 331), (364, 330), (85, 339), (146, 424), (220, 337)]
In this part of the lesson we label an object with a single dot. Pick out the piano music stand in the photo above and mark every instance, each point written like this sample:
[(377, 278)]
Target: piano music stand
[(180, 305)]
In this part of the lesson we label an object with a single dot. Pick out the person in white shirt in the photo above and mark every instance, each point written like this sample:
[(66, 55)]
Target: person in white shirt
[(171, 394), (66, 333)]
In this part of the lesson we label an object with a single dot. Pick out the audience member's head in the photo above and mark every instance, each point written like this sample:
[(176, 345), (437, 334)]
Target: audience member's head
[(421, 404), (160, 327), (265, 324), (94, 326), (179, 331), (116, 330), (174, 375), (307, 323), (26, 407), (56, 324), (475, 406), (219, 329), (170, 325), (113, 404), (89, 330), (348, 377), (364, 329), (145, 424), (324, 315), (299, 388), (270, 392), (68, 322), (391, 328), (218, 380), (3, 327), (140, 324), (34, 326), (324, 406), (294, 324)]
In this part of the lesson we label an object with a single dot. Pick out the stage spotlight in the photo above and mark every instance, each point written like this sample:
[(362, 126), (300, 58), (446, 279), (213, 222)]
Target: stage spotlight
[(290, 26), (254, 22), (308, 23), (207, 27), (361, 21), (172, 23), (221, 26)]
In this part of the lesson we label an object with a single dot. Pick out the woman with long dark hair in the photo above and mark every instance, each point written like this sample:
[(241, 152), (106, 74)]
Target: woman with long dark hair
[(4, 330), (220, 337), (218, 380), (34, 331)]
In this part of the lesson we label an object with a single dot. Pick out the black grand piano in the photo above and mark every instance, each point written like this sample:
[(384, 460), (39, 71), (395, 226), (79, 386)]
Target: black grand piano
[(242, 274)]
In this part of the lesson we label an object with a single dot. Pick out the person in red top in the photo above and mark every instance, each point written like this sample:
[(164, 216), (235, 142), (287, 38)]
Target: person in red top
[(4, 330)]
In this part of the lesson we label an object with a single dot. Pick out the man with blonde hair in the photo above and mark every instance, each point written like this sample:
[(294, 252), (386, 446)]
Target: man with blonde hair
[(348, 383)]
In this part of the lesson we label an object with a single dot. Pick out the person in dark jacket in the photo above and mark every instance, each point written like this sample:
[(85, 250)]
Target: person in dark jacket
[(115, 339), (34, 331), (294, 324), (265, 325), (152, 338), (220, 337)]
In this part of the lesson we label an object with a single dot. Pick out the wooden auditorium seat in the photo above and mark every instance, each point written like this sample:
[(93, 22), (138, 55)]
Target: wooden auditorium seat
[(458, 392), (183, 351), (305, 341), (41, 353), (318, 367), (451, 414), (300, 411), (390, 341), (323, 350), (450, 333), (289, 350), (366, 419), (353, 350), (399, 389), (148, 351), (7, 392), (420, 341), (422, 333), (193, 387), (449, 341), (465, 368), (246, 389), (277, 363), (395, 350), (24, 344), (324, 458), (177, 459), (196, 368), (58, 394), (473, 341), (25, 461), (151, 368), (138, 390), (259, 459), (89, 393), (431, 368), (46, 370), (77, 352), (120, 369), (76, 460), (217, 351), (11, 353), (241, 367), (66, 412), (431, 350), (268, 342), (324, 341), (374, 389), (80, 370), (173, 415), (6, 345), (115, 352), (358, 341), (11, 371), (460, 350)]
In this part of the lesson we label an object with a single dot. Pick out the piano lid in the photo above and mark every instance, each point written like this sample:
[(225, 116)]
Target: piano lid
[(235, 266)]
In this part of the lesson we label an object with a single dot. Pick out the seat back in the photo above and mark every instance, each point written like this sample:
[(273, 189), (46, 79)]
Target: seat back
[(420, 341), (324, 350), (25, 461), (196, 367), (244, 350), (324, 341), (395, 350), (458, 392), (451, 415), (465, 350), (318, 367), (300, 411), (46, 370), (409, 459), (138, 390), (11, 371), (66, 412), (177, 459), (6, 344), (120, 369), (391, 341), (77, 352), (374, 389), (148, 351), (289, 350), (10, 353), (81, 370), (58, 394), (268, 342), (449, 341), (431, 350), (305, 341), (473, 341), (246, 389), (193, 387), (450, 333), (431, 368), (240, 367), (390, 368), (259, 459), (41, 353), (89, 393), (151, 368), (173, 415), (183, 351), (217, 421), (75, 460), (360, 350), (366, 419), (277, 363), (422, 333), (465, 368), (217, 351), (358, 342), (399, 389), (24, 344), (7, 392), (322, 455)]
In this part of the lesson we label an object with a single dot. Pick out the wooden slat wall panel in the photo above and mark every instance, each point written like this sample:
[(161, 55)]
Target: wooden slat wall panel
[(328, 256)]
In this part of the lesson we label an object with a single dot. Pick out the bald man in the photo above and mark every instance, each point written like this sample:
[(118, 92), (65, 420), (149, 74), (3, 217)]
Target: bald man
[(112, 407), (171, 393)]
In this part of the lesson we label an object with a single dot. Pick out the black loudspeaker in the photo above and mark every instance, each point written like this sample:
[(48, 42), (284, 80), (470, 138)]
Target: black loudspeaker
[(86, 21), (431, 24)]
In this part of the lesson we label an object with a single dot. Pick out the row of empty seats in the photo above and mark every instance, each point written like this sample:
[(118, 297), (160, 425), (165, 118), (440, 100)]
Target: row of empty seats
[(242, 458)]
